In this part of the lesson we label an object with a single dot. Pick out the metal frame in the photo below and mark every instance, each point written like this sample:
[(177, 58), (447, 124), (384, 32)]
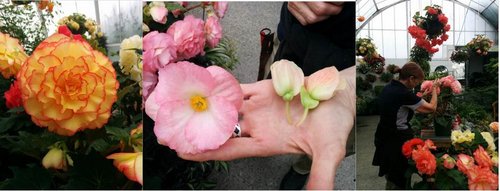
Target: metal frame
[(378, 11)]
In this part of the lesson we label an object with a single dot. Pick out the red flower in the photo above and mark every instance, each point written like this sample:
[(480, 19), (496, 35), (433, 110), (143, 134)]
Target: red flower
[(434, 42), (417, 32), (447, 28), (429, 144), (13, 96), (439, 41), (410, 145), (443, 19), (425, 161), (444, 37), (431, 11)]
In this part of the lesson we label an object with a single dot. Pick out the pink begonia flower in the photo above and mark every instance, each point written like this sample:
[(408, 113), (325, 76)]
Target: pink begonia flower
[(426, 88), (481, 178), (130, 164), (188, 36), (447, 81), (159, 14), (448, 162), (456, 87), (159, 50), (322, 84), (195, 109), (465, 163), (149, 79), (426, 85), (213, 31), (220, 8), (482, 158)]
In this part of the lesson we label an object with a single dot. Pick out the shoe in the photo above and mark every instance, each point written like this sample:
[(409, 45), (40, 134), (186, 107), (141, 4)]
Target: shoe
[(293, 180)]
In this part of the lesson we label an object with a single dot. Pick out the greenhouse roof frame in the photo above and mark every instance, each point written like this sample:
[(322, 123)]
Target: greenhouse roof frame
[(486, 9)]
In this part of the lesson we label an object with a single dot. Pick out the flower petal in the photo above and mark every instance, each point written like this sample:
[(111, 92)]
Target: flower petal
[(212, 128), (322, 84), (172, 118), (227, 86), (159, 14), (181, 80), (288, 78)]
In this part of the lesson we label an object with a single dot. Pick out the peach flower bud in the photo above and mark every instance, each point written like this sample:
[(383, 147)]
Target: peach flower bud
[(57, 159), (130, 164), (448, 162), (288, 78), (322, 84)]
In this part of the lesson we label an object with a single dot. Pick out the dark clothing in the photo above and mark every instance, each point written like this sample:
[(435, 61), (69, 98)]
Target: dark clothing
[(396, 104), (319, 45)]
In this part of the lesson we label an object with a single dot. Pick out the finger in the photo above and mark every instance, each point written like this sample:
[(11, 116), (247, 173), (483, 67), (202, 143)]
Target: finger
[(234, 148), (295, 10), (325, 9)]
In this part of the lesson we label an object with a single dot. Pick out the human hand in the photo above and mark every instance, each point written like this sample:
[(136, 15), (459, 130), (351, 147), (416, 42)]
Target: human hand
[(266, 132), (312, 12)]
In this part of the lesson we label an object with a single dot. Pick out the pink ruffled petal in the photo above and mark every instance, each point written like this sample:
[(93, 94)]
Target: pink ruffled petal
[(181, 81), (152, 106), (227, 86), (210, 129), (170, 124), (159, 14)]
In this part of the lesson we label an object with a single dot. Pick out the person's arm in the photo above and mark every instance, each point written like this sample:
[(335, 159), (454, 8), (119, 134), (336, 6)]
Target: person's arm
[(427, 107)]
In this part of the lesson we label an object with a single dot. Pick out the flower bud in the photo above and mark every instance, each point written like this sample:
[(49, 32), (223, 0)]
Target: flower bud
[(55, 158), (288, 78)]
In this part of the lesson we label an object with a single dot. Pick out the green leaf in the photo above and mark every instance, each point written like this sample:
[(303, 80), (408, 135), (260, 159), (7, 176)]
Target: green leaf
[(422, 185), (31, 177), (120, 133), (100, 145), (173, 6), (31, 144), (16, 110), (92, 171)]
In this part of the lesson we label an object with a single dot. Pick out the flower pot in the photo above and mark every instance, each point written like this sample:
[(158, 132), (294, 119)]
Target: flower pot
[(442, 126)]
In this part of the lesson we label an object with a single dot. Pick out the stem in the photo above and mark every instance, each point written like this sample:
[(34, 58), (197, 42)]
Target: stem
[(287, 112), (193, 7), (304, 116)]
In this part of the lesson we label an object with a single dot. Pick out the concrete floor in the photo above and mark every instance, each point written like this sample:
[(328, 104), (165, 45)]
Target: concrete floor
[(367, 175), (242, 24)]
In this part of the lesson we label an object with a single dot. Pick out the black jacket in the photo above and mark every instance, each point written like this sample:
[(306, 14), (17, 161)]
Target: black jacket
[(316, 46)]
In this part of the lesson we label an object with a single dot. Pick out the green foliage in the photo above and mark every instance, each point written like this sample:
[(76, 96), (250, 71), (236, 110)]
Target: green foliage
[(422, 58), (459, 56), (386, 76), (363, 68), (30, 177), (25, 23), (93, 171), (392, 68), (371, 78), (223, 55)]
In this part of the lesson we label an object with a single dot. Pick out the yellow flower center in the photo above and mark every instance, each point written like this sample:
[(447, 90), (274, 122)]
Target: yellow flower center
[(199, 103)]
